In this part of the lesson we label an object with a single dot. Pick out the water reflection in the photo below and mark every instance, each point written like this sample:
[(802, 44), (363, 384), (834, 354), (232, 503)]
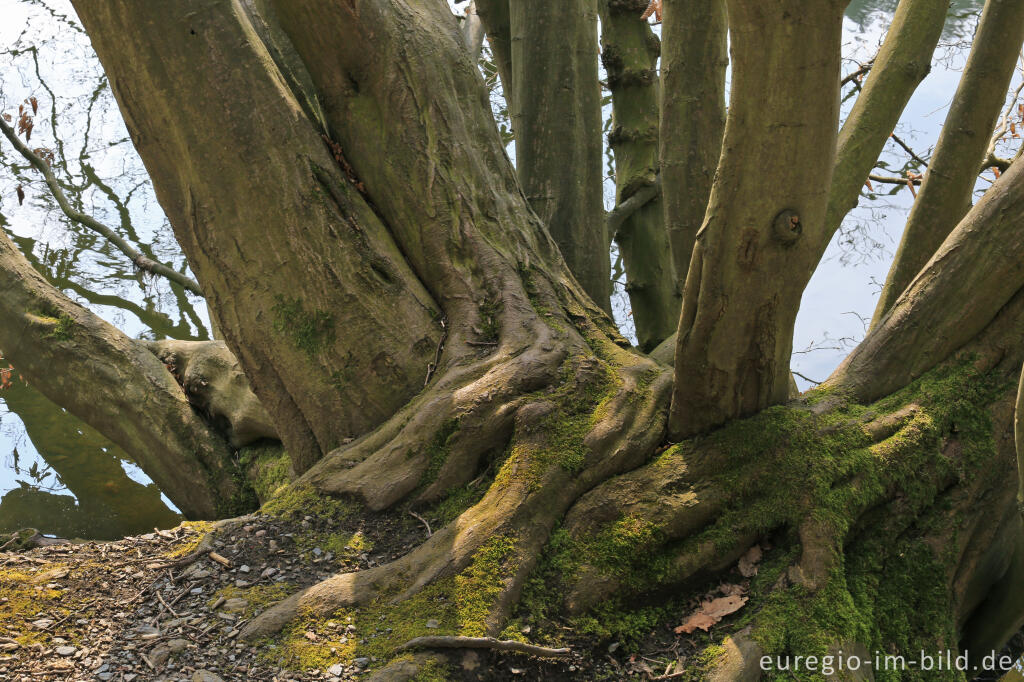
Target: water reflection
[(68, 479), (56, 473)]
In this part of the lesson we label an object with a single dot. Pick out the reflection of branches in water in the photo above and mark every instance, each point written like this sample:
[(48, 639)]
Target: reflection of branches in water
[(55, 58)]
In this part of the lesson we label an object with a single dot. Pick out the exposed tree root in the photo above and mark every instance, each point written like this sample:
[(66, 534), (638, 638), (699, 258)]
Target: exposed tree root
[(441, 642)]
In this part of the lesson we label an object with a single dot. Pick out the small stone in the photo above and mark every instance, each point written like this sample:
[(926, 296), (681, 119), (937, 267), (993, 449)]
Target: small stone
[(205, 676), (42, 623), (362, 662), (261, 532), (336, 670), (613, 647), (268, 572), (317, 551), (432, 623), (105, 676), (159, 656), (235, 605), (244, 568), (65, 650), (241, 583), (176, 646), (196, 590)]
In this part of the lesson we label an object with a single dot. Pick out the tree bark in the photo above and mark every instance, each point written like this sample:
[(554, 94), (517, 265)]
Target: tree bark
[(766, 214), (496, 18), (901, 64), (254, 196), (945, 196), (629, 52), (114, 384), (693, 64), (556, 118)]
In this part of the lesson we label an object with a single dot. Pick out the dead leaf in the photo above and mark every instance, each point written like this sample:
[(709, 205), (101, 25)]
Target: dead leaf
[(732, 589), (748, 562), (710, 612), (21, 195)]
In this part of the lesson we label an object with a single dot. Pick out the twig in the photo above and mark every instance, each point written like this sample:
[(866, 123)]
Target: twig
[(449, 642), (672, 676), (432, 367), (140, 260), (621, 213), (220, 560), (166, 605), (808, 379), (908, 150), (855, 75), (423, 521), (896, 179)]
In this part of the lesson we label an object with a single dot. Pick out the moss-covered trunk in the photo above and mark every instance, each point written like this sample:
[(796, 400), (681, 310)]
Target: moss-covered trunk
[(629, 52)]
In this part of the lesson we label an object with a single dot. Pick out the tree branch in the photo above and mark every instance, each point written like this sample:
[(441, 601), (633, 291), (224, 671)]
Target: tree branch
[(901, 64), (621, 213), (962, 146), (140, 260)]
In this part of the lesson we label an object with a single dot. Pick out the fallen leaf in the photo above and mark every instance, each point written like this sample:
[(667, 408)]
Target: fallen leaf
[(710, 612)]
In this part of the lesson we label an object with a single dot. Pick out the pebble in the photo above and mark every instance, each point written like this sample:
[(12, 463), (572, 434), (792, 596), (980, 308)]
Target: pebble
[(337, 669), (176, 646), (205, 676), (244, 568), (65, 650), (432, 623), (362, 662)]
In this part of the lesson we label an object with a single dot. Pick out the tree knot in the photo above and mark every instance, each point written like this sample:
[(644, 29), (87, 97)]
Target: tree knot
[(786, 227)]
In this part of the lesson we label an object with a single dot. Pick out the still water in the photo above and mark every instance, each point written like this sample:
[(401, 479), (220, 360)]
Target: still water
[(60, 476)]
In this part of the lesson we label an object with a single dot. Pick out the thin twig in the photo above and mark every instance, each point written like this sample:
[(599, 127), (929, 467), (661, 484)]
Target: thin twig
[(432, 367), (855, 75), (140, 260), (908, 150), (423, 521), (451, 642), (808, 379)]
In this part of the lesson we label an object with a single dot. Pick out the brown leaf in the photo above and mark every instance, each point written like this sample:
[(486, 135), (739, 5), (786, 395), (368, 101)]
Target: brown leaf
[(21, 195), (748, 562), (35, 104), (710, 612), (732, 590), (653, 8)]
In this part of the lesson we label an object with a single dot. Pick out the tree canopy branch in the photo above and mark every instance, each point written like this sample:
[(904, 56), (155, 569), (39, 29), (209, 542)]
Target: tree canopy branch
[(140, 260)]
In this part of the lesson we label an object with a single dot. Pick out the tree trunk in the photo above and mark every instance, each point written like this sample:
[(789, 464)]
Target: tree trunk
[(766, 214), (262, 197), (629, 52), (693, 63), (891, 524), (556, 118), (945, 196)]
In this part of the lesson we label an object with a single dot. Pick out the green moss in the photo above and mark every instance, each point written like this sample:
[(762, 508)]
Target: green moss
[(557, 439), (24, 595), (308, 331), (62, 330), (268, 468), (200, 529), (302, 500), (490, 323), (438, 449), (259, 596), (308, 642), (433, 671), (478, 588)]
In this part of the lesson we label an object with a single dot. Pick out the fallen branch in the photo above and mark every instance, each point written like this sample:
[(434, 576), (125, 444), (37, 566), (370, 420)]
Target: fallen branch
[(451, 642), (423, 521), (140, 260)]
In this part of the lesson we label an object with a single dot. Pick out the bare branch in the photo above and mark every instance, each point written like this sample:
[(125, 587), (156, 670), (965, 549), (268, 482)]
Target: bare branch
[(621, 213), (141, 261)]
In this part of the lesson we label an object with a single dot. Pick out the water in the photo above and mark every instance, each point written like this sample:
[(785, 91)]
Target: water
[(60, 476)]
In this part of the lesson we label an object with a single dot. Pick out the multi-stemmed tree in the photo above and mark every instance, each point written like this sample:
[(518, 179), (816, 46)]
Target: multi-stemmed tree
[(415, 316)]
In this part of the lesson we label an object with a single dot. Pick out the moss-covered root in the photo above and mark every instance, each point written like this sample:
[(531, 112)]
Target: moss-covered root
[(610, 422), (890, 523), (439, 441)]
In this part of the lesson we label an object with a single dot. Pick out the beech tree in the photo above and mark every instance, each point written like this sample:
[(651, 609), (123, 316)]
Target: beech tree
[(417, 321)]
